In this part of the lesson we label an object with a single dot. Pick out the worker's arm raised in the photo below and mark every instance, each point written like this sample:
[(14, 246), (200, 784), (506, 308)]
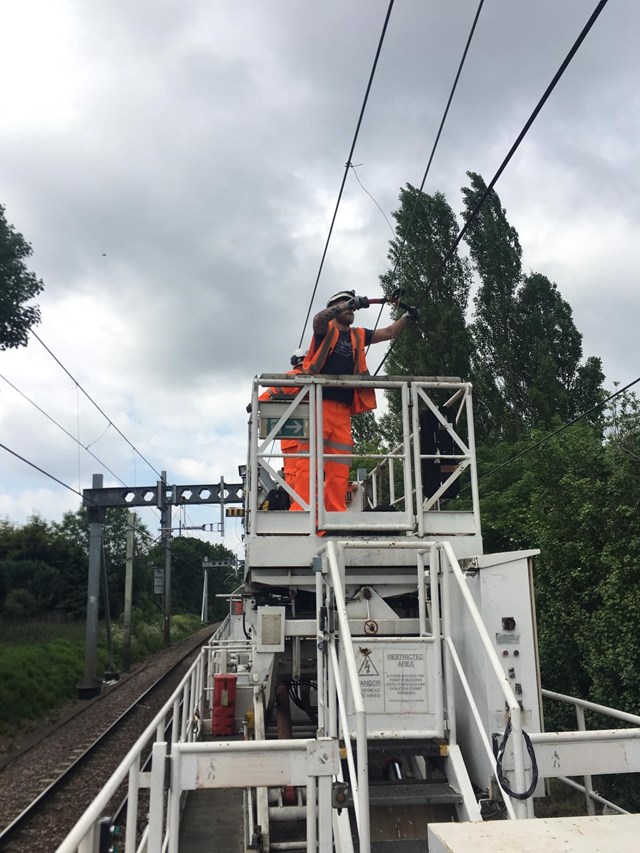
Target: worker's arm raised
[(390, 333)]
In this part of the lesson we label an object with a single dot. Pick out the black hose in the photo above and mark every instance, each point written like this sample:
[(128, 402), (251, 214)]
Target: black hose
[(534, 766)]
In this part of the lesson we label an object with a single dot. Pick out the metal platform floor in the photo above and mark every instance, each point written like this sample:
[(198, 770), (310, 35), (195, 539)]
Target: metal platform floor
[(212, 822)]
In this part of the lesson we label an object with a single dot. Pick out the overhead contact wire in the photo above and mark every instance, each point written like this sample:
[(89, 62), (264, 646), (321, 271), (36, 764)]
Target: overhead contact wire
[(435, 146), (41, 470), (474, 213), (90, 398), (65, 431), (348, 164)]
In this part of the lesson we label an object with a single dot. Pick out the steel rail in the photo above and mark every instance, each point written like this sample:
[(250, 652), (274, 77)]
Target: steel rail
[(18, 822)]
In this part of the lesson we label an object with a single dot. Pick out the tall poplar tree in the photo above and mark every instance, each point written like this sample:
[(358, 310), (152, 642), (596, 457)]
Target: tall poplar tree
[(438, 343), (526, 362)]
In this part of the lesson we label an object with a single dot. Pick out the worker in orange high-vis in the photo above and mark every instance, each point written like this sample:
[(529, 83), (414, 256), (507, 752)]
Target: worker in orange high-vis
[(339, 349), (290, 445)]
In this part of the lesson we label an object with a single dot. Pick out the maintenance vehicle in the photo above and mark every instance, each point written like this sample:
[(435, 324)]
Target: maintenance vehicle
[(376, 683)]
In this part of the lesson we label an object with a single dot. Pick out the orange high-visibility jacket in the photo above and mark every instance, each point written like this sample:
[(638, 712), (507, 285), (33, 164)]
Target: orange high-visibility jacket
[(283, 392), (364, 399)]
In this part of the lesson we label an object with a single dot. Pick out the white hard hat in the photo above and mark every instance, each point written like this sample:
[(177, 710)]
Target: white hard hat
[(341, 296), (298, 356)]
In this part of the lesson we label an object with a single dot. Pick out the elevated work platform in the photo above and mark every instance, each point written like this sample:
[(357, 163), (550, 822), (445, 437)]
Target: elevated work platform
[(425, 488)]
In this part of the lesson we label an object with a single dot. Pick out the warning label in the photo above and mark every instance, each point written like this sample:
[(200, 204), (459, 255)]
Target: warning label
[(393, 679), (367, 667)]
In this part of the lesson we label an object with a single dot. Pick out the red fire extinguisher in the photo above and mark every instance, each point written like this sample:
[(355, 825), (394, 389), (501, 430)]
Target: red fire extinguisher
[(224, 704)]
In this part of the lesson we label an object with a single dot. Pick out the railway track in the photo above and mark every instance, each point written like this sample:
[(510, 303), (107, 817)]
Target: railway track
[(46, 787)]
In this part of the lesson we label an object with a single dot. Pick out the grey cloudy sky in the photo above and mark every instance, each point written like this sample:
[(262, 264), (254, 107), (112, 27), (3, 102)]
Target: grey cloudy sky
[(175, 165)]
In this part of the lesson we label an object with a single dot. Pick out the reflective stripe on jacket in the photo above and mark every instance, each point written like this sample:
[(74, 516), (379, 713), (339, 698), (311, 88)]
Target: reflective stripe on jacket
[(364, 399)]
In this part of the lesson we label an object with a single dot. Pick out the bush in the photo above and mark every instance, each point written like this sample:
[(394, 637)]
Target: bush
[(41, 663)]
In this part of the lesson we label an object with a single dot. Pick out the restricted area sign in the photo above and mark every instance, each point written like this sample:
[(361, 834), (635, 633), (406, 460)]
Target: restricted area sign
[(400, 681)]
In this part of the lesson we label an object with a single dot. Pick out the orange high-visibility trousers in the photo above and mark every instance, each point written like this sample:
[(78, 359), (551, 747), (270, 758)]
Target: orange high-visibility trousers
[(292, 465), (337, 443)]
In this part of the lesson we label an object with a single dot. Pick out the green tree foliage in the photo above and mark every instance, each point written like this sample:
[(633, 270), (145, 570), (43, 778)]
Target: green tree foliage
[(35, 558), (74, 529), (575, 498), (438, 343), (526, 364), (17, 287), (613, 641), (50, 562), (187, 555)]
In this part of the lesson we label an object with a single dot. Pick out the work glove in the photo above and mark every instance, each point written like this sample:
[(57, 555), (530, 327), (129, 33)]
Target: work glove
[(358, 302), (412, 314)]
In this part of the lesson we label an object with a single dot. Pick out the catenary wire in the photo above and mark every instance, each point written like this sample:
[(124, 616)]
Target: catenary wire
[(348, 164), (76, 492), (41, 470), (474, 213), (69, 434), (434, 147), (90, 398), (65, 431)]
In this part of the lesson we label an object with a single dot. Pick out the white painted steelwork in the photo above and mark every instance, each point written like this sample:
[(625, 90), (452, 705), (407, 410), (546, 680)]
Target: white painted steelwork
[(234, 764), (412, 515), (389, 586)]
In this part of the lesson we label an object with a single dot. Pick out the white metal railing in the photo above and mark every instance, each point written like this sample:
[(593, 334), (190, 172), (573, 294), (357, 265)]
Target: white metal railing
[(463, 456), (381, 480), (338, 679), (582, 705), (303, 411), (358, 768), (180, 711), (517, 809)]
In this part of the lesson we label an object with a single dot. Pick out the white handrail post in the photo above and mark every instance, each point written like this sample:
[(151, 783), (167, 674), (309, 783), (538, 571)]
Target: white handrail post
[(319, 460), (132, 806), (173, 811), (436, 626), (156, 798), (325, 835), (312, 813), (443, 570), (588, 782), (320, 659), (406, 451), (186, 702), (422, 598), (417, 467), (358, 703), (473, 468), (313, 457)]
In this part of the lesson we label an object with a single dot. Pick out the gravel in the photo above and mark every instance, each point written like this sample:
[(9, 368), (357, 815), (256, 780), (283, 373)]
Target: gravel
[(30, 761)]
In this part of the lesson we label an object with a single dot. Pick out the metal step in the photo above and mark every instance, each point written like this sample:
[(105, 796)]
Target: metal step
[(410, 792), (415, 746)]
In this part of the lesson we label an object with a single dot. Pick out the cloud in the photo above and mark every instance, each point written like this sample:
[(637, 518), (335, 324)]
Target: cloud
[(176, 167)]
